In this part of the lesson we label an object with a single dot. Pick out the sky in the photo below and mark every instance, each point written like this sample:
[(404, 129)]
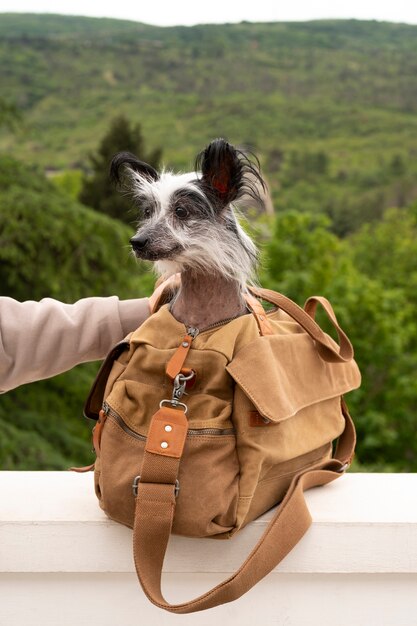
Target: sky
[(189, 12)]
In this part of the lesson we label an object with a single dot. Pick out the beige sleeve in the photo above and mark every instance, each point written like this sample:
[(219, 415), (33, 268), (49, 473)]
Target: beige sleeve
[(42, 339)]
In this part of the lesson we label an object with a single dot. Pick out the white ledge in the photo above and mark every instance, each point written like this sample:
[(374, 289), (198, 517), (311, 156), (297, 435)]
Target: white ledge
[(362, 523), (62, 561)]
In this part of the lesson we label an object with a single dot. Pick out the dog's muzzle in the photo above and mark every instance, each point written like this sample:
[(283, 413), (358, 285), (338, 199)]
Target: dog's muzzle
[(139, 243)]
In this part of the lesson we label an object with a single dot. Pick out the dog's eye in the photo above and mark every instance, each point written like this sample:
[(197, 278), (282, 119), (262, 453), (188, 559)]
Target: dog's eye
[(147, 212), (181, 212)]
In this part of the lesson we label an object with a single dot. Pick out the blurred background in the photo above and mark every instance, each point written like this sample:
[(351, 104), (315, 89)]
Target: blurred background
[(330, 108)]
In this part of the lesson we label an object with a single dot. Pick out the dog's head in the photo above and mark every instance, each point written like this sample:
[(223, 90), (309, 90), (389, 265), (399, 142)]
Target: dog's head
[(187, 221)]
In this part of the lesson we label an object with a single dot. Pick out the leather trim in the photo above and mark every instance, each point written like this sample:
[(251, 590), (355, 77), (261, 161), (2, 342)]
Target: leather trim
[(163, 441)]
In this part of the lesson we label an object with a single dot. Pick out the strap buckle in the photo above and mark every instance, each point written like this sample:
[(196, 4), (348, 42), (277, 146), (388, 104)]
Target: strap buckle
[(136, 482), (174, 405)]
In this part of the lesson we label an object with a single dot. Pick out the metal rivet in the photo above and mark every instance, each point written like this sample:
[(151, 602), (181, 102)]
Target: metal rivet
[(261, 317), (185, 344), (168, 428), (164, 444)]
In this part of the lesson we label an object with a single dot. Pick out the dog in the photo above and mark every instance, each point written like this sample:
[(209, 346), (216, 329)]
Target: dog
[(188, 225)]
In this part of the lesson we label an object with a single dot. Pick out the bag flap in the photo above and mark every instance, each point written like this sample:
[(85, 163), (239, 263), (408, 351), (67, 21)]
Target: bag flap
[(282, 374)]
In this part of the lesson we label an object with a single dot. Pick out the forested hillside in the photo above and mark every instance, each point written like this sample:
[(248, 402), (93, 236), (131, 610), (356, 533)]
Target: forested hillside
[(330, 109)]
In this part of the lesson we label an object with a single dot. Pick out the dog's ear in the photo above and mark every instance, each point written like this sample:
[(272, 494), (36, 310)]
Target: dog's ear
[(123, 160), (221, 170)]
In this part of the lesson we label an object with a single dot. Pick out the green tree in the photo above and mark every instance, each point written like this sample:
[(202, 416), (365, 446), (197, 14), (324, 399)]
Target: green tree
[(301, 254), (10, 116), (52, 246), (97, 191), (387, 250), (374, 305)]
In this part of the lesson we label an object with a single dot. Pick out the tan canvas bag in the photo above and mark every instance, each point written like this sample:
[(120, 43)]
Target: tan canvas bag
[(198, 434)]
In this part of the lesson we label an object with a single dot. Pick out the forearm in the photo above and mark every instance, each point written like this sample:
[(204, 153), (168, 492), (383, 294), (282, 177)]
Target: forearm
[(42, 339)]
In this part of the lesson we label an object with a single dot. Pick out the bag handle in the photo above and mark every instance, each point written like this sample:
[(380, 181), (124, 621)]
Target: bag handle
[(154, 514), (327, 348)]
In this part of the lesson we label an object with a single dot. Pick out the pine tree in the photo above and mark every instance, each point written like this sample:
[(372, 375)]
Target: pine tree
[(97, 191)]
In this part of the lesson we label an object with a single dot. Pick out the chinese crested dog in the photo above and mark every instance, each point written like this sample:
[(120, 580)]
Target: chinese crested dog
[(188, 224)]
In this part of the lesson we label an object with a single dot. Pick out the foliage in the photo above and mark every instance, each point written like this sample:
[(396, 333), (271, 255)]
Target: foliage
[(9, 115), (97, 190), (376, 309), (46, 430), (69, 181), (52, 246), (329, 106), (392, 256), (301, 257)]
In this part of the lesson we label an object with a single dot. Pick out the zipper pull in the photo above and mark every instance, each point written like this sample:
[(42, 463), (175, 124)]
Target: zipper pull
[(192, 332)]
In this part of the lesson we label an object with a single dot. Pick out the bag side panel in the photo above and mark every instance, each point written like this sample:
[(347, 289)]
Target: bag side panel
[(278, 450), (271, 489)]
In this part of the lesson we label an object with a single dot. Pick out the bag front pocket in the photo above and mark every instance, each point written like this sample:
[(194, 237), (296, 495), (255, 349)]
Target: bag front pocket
[(135, 402), (208, 477)]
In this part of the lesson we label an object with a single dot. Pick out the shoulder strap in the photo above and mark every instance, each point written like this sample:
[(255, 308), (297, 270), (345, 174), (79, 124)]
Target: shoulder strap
[(154, 514), (327, 348)]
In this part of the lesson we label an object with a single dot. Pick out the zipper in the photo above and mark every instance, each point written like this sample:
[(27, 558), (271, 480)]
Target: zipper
[(196, 331), (193, 332), (215, 325), (192, 432), (111, 413)]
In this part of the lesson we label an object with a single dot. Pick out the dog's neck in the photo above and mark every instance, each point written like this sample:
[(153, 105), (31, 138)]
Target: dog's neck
[(204, 300)]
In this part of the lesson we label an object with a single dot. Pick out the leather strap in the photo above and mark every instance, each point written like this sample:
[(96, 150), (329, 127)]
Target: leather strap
[(176, 362), (154, 514), (328, 350), (259, 313), (81, 470), (97, 432)]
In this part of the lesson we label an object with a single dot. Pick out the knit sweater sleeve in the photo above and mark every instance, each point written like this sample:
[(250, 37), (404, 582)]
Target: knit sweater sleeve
[(41, 339)]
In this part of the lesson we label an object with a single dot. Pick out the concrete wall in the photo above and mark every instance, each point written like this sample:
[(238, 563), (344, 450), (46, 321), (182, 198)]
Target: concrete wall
[(63, 563)]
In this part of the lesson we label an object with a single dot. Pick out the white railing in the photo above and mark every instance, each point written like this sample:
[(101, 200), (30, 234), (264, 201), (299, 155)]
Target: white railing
[(63, 563)]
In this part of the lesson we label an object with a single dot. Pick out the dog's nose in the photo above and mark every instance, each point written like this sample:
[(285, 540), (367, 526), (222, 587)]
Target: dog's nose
[(138, 242)]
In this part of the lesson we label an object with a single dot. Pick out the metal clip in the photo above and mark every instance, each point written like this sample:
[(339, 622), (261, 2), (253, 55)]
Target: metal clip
[(175, 404), (136, 482), (180, 382), (179, 388)]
